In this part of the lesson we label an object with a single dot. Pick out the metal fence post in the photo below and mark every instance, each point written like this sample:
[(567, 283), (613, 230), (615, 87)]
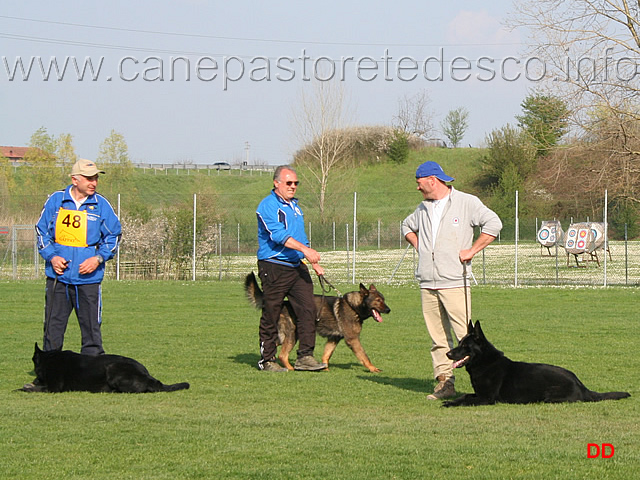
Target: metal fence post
[(355, 236), (516, 242), (118, 251), (14, 251), (606, 240), (220, 250), (333, 234)]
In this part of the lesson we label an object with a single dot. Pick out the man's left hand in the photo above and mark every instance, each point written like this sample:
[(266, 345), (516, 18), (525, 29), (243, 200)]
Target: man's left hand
[(466, 256), (88, 266)]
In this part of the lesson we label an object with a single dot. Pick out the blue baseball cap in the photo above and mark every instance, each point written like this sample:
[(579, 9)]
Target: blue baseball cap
[(428, 169)]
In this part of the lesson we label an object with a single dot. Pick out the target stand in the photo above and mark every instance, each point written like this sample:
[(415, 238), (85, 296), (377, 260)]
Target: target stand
[(585, 239), (597, 229), (549, 235)]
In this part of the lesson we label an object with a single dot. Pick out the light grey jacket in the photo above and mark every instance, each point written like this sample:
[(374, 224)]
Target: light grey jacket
[(441, 268)]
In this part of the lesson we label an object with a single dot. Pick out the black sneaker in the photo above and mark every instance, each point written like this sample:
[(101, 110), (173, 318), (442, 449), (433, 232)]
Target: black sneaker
[(272, 367), (309, 364)]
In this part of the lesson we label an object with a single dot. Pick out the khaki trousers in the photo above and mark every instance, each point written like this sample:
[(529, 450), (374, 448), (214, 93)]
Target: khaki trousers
[(444, 311)]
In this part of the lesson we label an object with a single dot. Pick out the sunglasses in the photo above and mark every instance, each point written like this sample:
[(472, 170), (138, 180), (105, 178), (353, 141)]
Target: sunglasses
[(290, 182)]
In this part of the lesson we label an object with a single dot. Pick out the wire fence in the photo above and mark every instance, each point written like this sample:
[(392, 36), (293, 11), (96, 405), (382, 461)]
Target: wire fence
[(211, 237)]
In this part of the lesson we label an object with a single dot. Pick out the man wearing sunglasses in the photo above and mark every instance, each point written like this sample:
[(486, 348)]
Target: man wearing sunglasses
[(282, 245)]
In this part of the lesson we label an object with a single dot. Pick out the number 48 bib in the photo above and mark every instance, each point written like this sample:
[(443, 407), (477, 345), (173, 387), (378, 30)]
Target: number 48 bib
[(71, 228)]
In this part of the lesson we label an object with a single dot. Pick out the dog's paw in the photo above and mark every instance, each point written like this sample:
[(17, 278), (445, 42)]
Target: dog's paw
[(30, 387)]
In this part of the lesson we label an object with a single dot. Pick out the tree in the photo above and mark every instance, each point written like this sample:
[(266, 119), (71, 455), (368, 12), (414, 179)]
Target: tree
[(414, 116), (455, 125), (43, 145), (114, 157), (321, 117), (590, 51), (7, 184), (545, 119), (590, 48), (605, 158), (399, 147), (41, 156), (65, 150), (508, 164)]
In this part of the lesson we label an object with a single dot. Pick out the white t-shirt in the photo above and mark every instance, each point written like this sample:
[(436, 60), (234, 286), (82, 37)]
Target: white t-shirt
[(438, 208)]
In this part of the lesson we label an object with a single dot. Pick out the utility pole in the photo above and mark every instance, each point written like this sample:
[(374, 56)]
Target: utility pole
[(246, 149)]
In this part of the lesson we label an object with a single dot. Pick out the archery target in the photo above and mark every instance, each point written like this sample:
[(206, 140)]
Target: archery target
[(550, 233), (579, 238), (597, 230)]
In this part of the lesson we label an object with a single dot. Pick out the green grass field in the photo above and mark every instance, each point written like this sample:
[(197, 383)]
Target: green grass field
[(238, 422)]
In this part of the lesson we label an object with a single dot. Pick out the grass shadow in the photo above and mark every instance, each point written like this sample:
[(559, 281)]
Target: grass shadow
[(412, 384), (247, 359)]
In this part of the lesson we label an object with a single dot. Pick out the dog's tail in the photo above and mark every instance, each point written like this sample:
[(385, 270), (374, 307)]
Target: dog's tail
[(176, 386), (252, 289), (598, 397)]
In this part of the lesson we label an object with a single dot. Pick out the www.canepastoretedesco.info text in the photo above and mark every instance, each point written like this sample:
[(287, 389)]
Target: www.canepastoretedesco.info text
[(231, 69)]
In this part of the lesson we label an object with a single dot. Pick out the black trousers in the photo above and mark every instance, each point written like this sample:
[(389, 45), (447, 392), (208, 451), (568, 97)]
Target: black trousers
[(60, 300), (278, 282)]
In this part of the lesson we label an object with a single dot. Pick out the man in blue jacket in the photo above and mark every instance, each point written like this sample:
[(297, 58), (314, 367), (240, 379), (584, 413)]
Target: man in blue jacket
[(78, 231), (282, 244)]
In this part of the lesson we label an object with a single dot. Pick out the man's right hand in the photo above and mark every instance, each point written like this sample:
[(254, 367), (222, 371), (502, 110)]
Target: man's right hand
[(59, 264), (312, 255)]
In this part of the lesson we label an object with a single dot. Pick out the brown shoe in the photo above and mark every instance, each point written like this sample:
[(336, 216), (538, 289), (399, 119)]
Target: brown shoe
[(444, 389), (271, 366), (309, 364)]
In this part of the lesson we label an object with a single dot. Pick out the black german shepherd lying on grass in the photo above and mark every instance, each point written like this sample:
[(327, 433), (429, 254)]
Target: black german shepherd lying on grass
[(495, 378), (66, 371), (338, 318)]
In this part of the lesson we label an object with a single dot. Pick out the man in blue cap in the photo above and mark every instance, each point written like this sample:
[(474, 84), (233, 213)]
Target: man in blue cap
[(441, 229)]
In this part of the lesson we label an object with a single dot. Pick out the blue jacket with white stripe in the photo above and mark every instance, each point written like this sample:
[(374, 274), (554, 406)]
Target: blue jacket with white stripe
[(102, 236), (279, 220)]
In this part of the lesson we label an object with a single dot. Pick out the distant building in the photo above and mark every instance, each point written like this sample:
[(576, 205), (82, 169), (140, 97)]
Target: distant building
[(14, 154)]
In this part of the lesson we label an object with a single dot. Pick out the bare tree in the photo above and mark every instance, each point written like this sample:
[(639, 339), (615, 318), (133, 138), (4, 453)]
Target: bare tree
[(414, 116), (321, 116), (590, 51)]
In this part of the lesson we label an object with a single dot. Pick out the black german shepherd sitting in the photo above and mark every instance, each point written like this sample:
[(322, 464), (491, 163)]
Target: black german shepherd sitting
[(66, 371), (338, 318), (495, 378)]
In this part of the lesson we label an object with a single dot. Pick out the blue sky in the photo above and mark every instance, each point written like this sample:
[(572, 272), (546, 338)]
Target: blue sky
[(202, 117)]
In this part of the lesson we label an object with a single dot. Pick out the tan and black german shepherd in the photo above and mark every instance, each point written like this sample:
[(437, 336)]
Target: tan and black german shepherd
[(338, 318)]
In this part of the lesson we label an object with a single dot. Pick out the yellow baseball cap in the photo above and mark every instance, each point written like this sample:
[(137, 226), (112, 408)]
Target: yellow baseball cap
[(86, 168)]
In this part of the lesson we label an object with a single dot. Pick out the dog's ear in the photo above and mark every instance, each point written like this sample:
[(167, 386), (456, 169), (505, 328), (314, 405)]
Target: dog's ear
[(372, 288), (37, 349), (469, 327), (363, 290), (478, 331)]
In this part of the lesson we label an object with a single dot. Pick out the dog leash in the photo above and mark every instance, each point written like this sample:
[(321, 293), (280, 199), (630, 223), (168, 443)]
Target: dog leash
[(466, 285), (325, 286), (324, 282)]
